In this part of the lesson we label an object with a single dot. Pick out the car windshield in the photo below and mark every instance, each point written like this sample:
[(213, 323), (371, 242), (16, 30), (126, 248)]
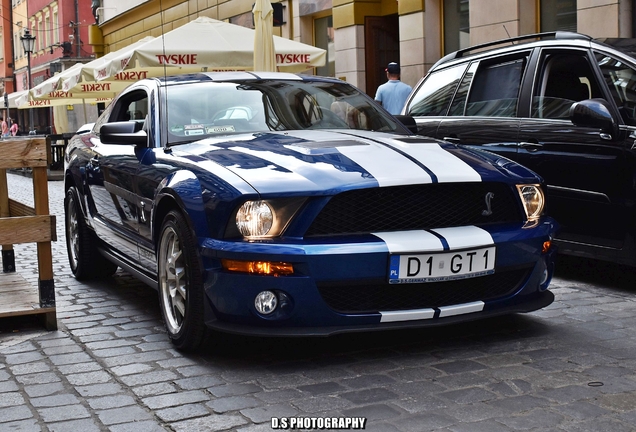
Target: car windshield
[(217, 108)]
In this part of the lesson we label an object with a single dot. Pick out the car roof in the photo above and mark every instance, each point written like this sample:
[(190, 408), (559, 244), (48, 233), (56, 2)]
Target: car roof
[(233, 76), (514, 43)]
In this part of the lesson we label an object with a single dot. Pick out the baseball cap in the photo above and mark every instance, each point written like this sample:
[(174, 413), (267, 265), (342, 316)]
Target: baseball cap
[(393, 68)]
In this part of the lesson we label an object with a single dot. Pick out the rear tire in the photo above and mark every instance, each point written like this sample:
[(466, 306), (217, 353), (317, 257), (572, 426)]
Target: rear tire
[(84, 258), (180, 283)]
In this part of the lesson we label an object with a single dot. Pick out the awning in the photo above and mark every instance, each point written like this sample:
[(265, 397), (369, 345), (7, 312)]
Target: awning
[(75, 85), (206, 45), (13, 97)]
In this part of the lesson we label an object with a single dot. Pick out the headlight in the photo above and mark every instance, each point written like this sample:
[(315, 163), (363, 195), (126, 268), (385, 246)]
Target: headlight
[(254, 218), (261, 219), (533, 200)]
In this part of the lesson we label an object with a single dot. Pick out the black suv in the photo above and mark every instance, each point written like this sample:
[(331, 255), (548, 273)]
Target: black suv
[(562, 104)]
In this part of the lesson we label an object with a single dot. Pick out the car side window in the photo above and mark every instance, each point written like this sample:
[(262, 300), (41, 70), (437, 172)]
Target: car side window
[(133, 106), (434, 95), (565, 78), (621, 80), (495, 89)]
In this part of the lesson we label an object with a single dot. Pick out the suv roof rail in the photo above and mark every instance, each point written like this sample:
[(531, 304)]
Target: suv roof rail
[(544, 35)]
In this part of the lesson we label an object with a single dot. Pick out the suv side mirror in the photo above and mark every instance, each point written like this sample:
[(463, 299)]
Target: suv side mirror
[(126, 132), (594, 113)]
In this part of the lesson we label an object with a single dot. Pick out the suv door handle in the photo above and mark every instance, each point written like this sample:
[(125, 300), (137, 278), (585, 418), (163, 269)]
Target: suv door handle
[(531, 147), (454, 140)]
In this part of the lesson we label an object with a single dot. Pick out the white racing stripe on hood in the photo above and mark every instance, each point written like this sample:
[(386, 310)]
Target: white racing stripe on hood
[(465, 237), (299, 172), (445, 165), (387, 166)]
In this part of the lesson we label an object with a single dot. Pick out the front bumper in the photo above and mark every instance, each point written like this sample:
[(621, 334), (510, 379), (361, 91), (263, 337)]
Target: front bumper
[(327, 270)]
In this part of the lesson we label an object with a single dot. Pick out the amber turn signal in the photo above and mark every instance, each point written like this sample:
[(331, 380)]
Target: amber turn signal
[(258, 267), (546, 246)]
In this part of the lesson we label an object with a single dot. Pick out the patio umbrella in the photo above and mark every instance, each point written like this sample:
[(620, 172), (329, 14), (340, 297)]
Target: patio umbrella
[(77, 84), (13, 97), (206, 44), (56, 98), (92, 72), (51, 84), (264, 54), (210, 45)]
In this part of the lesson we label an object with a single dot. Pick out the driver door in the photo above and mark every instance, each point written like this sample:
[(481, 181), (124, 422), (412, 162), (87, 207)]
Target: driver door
[(587, 172), (111, 182)]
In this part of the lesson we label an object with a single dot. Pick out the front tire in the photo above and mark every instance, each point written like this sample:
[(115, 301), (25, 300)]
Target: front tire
[(180, 283), (84, 258)]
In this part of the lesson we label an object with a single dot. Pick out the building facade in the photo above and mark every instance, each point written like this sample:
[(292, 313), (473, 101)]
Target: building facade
[(362, 36), (60, 29)]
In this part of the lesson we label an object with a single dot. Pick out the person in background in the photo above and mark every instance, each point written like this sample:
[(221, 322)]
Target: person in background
[(5, 128), (393, 93), (14, 128)]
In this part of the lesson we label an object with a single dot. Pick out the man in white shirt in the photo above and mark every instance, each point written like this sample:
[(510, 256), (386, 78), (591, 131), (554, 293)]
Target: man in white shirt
[(393, 93)]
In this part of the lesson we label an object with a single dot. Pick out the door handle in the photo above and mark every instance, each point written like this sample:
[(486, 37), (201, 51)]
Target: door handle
[(531, 147), (454, 140)]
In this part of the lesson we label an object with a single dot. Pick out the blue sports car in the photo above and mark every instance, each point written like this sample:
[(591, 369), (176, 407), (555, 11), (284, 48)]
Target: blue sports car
[(279, 204)]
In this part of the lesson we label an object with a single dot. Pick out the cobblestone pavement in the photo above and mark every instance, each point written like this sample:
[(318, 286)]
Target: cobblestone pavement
[(110, 366)]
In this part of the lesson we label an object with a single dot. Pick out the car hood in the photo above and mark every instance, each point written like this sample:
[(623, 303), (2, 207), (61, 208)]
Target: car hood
[(318, 161)]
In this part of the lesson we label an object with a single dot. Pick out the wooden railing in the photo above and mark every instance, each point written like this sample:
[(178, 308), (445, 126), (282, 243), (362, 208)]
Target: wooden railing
[(19, 224)]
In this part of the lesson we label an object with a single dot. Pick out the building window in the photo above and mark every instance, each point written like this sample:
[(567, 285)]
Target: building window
[(56, 28), (324, 37), (456, 25), (16, 45), (41, 35), (47, 30), (558, 15)]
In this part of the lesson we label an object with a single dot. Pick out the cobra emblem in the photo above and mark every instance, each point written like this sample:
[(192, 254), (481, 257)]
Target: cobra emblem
[(488, 198)]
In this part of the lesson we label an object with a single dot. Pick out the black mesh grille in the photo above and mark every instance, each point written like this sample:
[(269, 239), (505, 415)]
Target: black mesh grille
[(374, 296), (415, 207)]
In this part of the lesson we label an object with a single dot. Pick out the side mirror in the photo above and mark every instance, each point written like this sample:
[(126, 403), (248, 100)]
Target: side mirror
[(408, 122), (595, 113), (126, 132)]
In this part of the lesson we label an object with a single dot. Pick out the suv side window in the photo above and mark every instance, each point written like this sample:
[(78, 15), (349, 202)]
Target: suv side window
[(434, 95), (621, 80), (495, 88), (565, 78), (459, 102)]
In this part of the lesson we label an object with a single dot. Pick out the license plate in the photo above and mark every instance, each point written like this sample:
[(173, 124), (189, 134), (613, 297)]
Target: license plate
[(434, 267)]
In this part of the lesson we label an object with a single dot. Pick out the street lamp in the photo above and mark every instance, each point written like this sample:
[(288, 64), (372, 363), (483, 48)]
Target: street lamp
[(28, 44)]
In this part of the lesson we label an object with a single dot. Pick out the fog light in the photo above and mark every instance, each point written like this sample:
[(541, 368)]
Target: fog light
[(265, 302)]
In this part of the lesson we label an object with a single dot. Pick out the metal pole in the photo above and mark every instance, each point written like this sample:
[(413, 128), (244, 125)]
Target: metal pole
[(31, 129), (76, 30)]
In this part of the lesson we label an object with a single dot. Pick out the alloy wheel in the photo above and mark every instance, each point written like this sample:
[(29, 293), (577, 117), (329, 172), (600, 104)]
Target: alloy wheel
[(173, 283)]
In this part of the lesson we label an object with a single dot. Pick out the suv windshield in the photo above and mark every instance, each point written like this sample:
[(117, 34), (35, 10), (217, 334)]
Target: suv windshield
[(216, 108)]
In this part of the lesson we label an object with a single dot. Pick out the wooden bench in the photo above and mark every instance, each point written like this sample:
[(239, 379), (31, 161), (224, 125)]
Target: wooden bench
[(19, 224)]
